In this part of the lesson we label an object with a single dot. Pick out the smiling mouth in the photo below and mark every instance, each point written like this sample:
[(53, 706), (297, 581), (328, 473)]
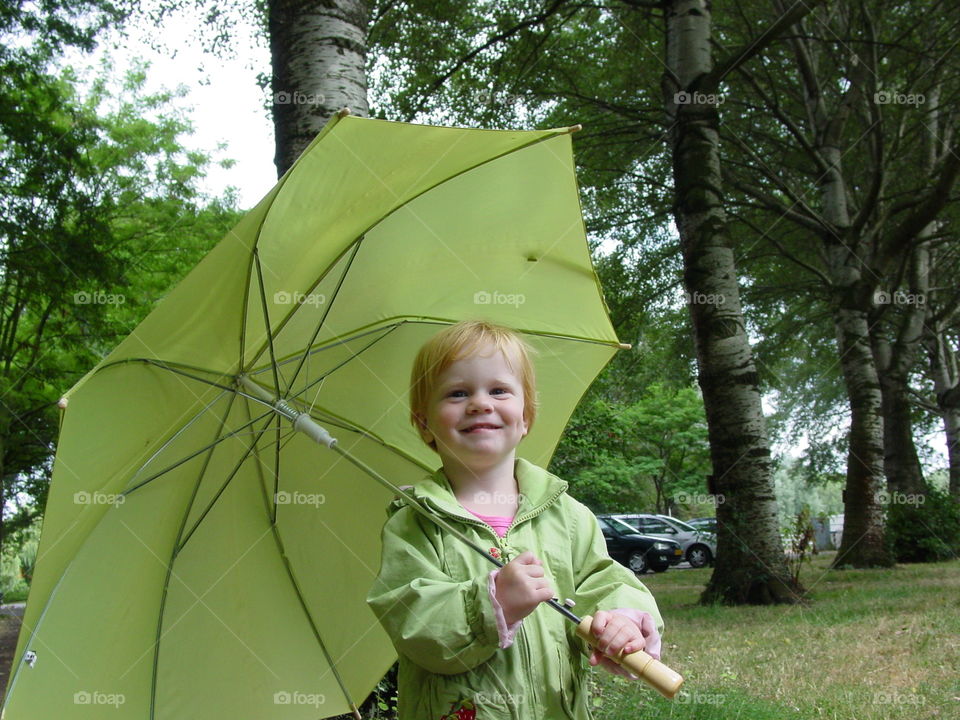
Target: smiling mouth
[(480, 426)]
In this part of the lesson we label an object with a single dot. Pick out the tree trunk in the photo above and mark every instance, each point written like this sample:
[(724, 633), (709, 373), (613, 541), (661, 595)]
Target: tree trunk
[(946, 384), (894, 360), (862, 544), (318, 52), (750, 566)]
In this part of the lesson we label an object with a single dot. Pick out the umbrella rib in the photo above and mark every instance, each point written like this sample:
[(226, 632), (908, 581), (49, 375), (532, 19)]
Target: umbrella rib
[(326, 311), (281, 548), (289, 568), (266, 319), (177, 434), (354, 244), (340, 340), (353, 356), (173, 556), (231, 434), (174, 368), (233, 474)]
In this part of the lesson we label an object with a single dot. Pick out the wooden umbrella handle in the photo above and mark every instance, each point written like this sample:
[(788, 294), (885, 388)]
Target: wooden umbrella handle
[(661, 678)]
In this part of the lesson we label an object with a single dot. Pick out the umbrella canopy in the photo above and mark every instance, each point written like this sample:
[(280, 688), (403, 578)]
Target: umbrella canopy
[(199, 558)]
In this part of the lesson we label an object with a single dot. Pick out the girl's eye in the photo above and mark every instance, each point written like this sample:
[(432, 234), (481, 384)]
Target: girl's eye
[(497, 391), (457, 393)]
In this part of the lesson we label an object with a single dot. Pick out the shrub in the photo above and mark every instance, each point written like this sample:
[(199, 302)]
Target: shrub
[(925, 531)]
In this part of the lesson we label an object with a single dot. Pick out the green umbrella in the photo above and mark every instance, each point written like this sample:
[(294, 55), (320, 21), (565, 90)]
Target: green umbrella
[(200, 558)]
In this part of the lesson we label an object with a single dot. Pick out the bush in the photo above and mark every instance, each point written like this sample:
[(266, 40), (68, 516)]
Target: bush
[(11, 575), (925, 531)]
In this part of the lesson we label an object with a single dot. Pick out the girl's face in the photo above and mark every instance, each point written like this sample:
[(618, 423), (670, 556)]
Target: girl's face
[(475, 411)]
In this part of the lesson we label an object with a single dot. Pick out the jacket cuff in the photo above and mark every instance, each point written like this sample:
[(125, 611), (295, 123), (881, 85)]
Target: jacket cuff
[(506, 632), (481, 618)]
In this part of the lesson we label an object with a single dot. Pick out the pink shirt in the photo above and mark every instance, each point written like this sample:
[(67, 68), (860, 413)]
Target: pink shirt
[(499, 523)]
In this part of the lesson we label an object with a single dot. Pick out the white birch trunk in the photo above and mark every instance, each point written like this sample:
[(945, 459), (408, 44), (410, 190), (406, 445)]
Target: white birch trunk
[(318, 52), (750, 564), (862, 544)]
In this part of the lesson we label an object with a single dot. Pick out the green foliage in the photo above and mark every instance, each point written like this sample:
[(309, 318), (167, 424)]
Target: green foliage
[(797, 490), (17, 559), (630, 455), (926, 531), (99, 215), (53, 25)]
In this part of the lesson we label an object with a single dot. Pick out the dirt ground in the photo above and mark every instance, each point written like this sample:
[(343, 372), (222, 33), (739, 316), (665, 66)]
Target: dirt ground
[(9, 629)]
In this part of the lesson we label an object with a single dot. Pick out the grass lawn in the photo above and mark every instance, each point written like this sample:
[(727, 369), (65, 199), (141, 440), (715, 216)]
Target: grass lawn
[(871, 645)]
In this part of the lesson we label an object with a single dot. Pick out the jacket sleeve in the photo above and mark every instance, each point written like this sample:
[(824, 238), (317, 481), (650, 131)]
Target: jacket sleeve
[(601, 582), (444, 625)]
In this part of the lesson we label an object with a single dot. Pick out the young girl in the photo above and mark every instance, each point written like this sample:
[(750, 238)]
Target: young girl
[(471, 642)]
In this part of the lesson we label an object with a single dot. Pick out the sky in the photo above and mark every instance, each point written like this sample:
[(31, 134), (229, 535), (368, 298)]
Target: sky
[(224, 102)]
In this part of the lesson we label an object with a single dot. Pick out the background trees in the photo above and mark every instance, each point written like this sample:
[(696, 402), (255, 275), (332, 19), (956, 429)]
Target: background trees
[(99, 214)]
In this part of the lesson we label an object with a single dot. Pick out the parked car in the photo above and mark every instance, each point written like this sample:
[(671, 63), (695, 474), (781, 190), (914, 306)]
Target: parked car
[(706, 524), (638, 552), (699, 547)]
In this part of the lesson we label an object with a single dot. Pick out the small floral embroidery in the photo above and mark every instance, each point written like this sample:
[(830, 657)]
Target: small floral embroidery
[(495, 552), (466, 711)]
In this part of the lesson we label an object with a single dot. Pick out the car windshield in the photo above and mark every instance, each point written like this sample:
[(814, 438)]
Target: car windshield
[(621, 526), (680, 524)]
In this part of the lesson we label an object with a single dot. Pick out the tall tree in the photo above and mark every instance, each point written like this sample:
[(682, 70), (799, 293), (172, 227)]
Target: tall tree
[(753, 571), (548, 61), (836, 164), (318, 56)]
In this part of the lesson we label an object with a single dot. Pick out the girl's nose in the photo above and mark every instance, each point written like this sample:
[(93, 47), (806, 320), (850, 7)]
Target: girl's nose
[(479, 403)]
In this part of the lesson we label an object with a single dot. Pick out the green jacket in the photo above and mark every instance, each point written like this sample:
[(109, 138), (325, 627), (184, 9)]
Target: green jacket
[(431, 597)]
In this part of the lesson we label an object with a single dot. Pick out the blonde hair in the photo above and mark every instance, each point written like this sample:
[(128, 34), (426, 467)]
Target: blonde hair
[(459, 341)]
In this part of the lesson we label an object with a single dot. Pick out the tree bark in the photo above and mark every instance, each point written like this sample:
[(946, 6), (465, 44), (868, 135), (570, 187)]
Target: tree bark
[(750, 566), (318, 52), (894, 361), (862, 544), (852, 285), (946, 384)]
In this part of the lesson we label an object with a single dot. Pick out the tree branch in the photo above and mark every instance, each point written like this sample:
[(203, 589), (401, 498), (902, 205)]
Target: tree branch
[(738, 57)]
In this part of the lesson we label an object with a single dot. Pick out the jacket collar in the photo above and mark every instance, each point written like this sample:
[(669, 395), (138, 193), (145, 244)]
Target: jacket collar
[(537, 487)]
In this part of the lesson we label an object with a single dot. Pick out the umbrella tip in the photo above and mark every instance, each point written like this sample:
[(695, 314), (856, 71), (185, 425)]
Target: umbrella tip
[(62, 403), (343, 112), (575, 128), (624, 346)]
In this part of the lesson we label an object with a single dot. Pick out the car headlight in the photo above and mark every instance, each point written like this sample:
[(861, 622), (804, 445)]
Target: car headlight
[(661, 546)]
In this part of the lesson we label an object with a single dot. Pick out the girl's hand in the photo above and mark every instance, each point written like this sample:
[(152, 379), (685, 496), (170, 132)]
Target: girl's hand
[(614, 633), (521, 586)]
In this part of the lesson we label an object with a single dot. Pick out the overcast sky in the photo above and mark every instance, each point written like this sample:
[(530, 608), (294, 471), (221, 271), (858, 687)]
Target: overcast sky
[(226, 104)]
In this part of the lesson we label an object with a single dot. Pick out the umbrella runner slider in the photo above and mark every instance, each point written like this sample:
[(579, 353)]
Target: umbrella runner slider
[(662, 678)]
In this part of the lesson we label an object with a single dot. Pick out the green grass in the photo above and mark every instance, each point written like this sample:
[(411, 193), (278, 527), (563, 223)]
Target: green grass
[(870, 645)]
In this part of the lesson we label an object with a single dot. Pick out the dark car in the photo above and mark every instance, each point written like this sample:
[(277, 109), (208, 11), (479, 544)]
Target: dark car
[(699, 547), (638, 552)]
